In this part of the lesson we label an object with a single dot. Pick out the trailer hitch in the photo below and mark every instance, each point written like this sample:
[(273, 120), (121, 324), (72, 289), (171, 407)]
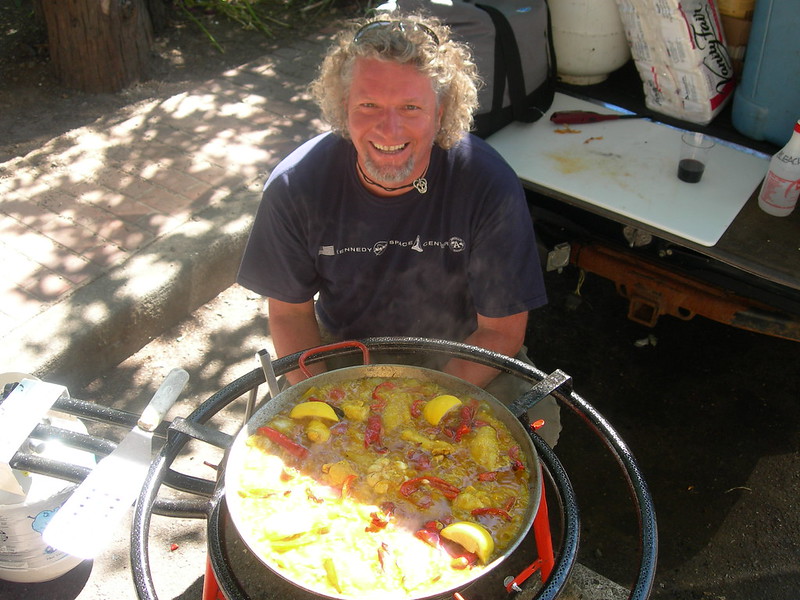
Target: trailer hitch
[(653, 291)]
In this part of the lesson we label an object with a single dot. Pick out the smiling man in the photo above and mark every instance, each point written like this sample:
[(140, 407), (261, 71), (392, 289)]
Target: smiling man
[(399, 221), (393, 117)]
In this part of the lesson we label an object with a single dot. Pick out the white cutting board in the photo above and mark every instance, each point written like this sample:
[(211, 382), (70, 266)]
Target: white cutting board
[(629, 167)]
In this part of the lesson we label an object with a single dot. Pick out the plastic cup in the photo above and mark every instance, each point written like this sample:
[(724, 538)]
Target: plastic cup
[(694, 156)]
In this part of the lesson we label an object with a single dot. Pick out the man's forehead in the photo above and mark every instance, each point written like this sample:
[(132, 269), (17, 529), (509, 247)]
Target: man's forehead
[(368, 72)]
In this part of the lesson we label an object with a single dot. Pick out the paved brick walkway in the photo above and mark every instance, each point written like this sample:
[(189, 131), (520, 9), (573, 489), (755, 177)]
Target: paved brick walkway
[(80, 208)]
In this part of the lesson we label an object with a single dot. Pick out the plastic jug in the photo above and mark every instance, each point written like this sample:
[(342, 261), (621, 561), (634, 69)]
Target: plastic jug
[(767, 101)]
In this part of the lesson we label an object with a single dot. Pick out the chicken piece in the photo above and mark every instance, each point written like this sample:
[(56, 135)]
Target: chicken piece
[(435, 447), (282, 424), (378, 483), (395, 413), (470, 498), (312, 392), (384, 473), (355, 410), (339, 471), (485, 448), (317, 431)]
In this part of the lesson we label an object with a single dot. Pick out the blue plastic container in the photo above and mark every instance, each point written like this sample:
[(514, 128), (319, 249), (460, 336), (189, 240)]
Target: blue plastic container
[(766, 104)]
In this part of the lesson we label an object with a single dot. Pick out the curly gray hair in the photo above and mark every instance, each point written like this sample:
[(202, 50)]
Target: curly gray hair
[(410, 39)]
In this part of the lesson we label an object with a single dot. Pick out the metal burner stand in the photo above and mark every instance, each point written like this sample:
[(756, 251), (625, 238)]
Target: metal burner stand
[(208, 501)]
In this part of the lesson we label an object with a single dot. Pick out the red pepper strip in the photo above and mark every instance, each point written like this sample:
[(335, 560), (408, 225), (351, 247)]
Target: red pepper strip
[(487, 476), (497, 512), (432, 538), (310, 495), (284, 442), (434, 526), (386, 385), (461, 432), (460, 557), (372, 434), (448, 490), (383, 555), (346, 484), (510, 504), (377, 522), (420, 459), (416, 407), (465, 561), (516, 463), (465, 425), (467, 421), (409, 486)]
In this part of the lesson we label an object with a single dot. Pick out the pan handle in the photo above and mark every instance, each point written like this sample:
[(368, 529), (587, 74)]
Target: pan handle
[(335, 346), (538, 392)]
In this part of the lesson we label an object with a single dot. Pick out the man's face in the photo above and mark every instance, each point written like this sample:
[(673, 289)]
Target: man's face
[(392, 119)]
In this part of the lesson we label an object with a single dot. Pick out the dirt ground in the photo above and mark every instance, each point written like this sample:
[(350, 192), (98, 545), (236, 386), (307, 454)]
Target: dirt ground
[(710, 412)]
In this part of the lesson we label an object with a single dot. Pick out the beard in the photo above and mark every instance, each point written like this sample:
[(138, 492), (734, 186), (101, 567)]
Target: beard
[(392, 174)]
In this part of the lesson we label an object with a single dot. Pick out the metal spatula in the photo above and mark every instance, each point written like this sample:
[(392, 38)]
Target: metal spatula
[(86, 522)]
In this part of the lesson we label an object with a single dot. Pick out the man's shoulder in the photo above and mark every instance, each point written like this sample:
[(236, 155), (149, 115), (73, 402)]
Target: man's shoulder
[(321, 144), (473, 155), (471, 148), (316, 153)]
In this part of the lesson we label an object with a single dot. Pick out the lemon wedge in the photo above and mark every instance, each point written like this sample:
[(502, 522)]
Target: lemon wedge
[(318, 410), (472, 536), (435, 409)]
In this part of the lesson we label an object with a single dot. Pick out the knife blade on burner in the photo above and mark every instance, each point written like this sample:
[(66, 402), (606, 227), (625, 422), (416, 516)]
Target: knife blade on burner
[(86, 522)]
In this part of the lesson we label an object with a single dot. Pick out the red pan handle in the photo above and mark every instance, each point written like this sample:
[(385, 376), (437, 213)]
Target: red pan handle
[(335, 346)]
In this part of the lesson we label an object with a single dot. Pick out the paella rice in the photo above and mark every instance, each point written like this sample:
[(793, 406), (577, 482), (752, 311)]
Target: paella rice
[(355, 501)]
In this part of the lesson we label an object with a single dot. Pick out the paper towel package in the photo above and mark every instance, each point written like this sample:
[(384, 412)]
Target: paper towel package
[(680, 54)]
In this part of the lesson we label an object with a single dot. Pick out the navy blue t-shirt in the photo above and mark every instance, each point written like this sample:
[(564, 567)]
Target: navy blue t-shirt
[(410, 265)]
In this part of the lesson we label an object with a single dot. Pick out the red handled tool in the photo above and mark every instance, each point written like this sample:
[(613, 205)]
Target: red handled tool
[(580, 117)]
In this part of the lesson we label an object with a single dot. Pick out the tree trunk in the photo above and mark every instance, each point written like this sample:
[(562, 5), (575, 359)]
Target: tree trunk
[(158, 15), (98, 45)]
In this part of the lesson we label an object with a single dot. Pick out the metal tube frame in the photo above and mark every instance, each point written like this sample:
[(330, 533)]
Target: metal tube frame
[(148, 502)]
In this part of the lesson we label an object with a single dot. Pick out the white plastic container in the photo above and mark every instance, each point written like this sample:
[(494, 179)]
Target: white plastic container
[(589, 40), (778, 195), (24, 556)]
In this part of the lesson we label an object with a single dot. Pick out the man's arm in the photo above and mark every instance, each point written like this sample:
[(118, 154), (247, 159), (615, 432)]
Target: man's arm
[(504, 335), (294, 328)]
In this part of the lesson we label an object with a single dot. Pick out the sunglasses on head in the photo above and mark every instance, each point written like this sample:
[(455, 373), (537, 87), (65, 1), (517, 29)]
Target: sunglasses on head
[(402, 26)]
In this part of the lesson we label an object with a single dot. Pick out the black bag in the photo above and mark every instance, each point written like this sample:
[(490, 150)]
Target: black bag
[(512, 45)]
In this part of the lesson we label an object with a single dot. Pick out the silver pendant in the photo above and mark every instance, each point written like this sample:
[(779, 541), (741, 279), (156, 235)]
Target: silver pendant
[(421, 184)]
